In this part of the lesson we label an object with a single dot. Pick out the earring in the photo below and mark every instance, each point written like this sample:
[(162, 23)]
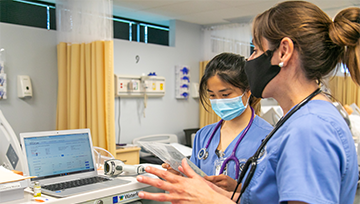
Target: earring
[(281, 64)]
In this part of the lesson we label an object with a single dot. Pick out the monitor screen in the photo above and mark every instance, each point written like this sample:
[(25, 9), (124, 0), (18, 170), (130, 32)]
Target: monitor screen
[(58, 155)]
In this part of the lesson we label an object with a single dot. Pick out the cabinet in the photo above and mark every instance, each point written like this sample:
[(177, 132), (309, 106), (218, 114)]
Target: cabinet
[(129, 155)]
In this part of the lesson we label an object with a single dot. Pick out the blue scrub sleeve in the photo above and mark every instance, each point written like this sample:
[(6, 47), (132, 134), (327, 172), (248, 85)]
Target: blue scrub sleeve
[(309, 161)]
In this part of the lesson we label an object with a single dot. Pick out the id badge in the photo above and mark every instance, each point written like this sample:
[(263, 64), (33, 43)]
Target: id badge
[(218, 163)]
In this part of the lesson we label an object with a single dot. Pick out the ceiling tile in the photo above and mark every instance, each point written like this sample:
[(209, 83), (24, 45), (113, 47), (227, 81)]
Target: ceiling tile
[(186, 8), (206, 12), (237, 3), (218, 17), (143, 4)]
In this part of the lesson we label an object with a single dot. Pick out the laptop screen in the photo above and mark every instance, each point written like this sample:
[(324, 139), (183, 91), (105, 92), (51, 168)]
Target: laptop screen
[(58, 155)]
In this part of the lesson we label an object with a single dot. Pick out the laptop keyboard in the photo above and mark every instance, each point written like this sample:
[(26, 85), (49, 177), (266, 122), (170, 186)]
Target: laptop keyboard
[(74, 183)]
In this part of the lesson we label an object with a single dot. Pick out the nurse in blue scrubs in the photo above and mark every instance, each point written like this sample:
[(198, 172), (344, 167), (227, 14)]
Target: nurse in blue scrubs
[(220, 149), (239, 132), (310, 155)]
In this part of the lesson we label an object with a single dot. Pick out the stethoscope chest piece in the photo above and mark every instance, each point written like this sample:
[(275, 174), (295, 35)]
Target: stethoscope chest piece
[(203, 154)]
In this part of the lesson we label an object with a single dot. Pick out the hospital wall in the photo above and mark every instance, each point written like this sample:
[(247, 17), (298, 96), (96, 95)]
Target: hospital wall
[(32, 51), (162, 114)]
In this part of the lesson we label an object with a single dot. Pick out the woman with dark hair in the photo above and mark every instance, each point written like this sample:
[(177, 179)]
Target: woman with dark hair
[(309, 157), (222, 148), (239, 132)]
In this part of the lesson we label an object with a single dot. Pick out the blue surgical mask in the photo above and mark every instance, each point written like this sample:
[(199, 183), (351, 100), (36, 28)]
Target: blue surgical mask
[(228, 108)]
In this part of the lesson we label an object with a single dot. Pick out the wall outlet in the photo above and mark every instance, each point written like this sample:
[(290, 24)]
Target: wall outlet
[(138, 86)]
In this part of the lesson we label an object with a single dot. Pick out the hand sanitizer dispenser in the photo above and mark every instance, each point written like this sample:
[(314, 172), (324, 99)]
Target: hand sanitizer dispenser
[(24, 86)]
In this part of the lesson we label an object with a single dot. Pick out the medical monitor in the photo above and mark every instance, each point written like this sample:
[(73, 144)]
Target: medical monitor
[(11, 156)]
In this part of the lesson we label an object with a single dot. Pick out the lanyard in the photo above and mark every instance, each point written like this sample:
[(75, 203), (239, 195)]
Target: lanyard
[(253, 160)]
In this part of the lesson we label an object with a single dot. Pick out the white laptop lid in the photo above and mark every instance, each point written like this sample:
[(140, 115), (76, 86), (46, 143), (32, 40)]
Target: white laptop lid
[(58, 156)]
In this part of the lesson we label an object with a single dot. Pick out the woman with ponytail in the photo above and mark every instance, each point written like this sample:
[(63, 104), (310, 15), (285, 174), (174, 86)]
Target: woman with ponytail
[(310, 156)]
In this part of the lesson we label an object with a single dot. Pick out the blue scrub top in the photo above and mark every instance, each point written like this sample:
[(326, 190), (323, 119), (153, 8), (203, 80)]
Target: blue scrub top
[(311, 158), (247, 147)]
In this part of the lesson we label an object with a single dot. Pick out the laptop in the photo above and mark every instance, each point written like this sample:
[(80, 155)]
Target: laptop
[(63, 162)]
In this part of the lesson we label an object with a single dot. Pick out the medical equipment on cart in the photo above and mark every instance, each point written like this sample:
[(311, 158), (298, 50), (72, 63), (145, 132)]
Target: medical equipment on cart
[(115, 167)]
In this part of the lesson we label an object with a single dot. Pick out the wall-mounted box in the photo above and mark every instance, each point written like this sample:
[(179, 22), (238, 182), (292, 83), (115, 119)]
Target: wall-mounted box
[(153, 85), (24, 86), (138, 86), (182, 82), (127, 85)]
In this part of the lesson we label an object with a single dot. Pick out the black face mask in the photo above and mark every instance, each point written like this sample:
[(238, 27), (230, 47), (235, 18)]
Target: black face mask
[(260, 72)]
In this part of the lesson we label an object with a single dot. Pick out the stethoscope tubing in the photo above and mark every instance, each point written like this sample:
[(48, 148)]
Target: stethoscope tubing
[(203, 152), (213, 133), (232, 156)]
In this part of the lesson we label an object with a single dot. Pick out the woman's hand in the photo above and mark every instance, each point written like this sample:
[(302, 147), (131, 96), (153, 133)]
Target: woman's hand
[(169, 169), (223, 181), (193, 189)]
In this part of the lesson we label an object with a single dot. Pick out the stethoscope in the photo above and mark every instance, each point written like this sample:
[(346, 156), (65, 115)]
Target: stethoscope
[(252, 161), (203, 153)]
